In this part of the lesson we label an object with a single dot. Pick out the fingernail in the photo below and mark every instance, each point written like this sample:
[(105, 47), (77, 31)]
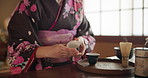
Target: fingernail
[(79, 54)]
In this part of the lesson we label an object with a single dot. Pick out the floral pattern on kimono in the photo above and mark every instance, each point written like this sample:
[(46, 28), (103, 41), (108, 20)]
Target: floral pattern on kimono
[(29, 17)]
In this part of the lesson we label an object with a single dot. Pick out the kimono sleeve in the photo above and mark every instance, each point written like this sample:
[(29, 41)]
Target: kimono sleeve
[(85, 31), (83, 26), (23, 42)]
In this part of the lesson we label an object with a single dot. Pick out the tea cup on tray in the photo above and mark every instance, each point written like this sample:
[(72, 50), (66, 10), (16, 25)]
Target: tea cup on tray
[(119, 54), (92, 58)]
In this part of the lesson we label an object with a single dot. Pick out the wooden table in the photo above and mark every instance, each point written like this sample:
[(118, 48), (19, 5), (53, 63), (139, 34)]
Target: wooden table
[(67, 71)]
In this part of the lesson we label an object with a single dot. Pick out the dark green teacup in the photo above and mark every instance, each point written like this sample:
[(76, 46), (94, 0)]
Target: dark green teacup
[(92, 58), (119, 54)]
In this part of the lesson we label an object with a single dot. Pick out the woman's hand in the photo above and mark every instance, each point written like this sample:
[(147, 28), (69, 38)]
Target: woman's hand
[(56, 51), (82, 49), (82, 46)]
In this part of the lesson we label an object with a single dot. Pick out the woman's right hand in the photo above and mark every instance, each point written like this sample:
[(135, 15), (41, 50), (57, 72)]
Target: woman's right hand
[(56, 51)]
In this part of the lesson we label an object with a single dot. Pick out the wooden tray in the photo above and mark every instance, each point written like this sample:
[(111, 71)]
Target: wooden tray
[(106, 66)]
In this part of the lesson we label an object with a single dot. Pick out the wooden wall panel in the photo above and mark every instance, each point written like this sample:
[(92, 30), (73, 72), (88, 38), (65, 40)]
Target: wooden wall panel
[(105, 44)]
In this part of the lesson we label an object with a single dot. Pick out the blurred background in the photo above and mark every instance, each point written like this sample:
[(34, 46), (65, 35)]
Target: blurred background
[(6, 8)]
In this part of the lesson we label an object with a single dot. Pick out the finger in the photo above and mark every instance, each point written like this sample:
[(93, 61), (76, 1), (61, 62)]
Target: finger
[(73, 53), (68, 52), (72, 50), (65, 54), (64, 44), (83, 48), (80, 54)]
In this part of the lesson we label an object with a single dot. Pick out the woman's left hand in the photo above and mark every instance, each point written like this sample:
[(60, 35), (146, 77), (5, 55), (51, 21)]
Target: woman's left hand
[(79, 44), (82, 49), (82, 46)]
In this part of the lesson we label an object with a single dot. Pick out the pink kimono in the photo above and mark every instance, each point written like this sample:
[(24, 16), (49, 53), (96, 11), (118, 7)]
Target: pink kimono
[(44, 22)]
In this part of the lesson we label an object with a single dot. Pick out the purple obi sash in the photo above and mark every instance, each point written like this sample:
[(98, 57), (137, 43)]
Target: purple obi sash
[(62, 36)]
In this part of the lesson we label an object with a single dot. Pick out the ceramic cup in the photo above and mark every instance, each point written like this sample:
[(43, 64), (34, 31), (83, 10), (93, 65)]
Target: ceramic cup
[(92, 58), (119, 55)]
